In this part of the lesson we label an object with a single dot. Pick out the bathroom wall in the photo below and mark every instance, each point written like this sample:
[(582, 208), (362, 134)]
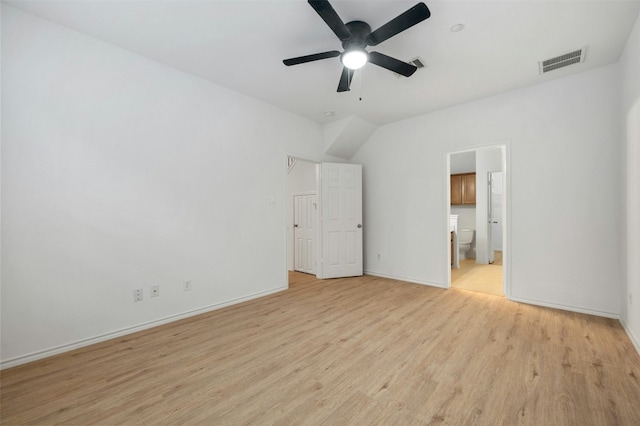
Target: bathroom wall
[(466, 216), (462, 162)]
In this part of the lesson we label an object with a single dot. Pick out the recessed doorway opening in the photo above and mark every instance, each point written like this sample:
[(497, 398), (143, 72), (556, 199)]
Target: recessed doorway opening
[(476, 220), (324, 218), (302, 215)]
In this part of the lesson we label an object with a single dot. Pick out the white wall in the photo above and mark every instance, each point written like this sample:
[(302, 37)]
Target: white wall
[(630, 65), (120, 173), (564, 155), (462, 162), (466, 216), (487, 160)]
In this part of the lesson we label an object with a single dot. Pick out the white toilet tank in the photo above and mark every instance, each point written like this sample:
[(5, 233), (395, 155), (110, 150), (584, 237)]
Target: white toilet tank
[(465, 236)]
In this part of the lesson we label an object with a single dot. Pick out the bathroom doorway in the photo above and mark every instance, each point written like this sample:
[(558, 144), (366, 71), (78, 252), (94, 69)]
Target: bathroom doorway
[(476, 222)]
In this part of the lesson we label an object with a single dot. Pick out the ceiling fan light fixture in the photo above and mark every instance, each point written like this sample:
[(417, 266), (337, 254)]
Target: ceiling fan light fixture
[(354, 58), (355, 36)]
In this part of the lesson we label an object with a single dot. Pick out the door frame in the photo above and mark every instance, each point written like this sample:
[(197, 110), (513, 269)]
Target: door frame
[(505, 146), (491, 215), (490, 255)]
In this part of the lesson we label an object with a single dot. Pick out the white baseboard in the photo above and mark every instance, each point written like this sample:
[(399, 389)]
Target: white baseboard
[(566, 308), (34, 356), (634, 340), (632, 337), (23, 359), (515, 299), (407, 279)]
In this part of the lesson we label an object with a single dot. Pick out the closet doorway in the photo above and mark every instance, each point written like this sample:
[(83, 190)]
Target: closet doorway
[(302, 215), (324, 219)]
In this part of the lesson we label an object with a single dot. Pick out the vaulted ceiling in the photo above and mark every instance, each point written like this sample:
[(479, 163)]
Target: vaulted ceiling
[(240, 44)]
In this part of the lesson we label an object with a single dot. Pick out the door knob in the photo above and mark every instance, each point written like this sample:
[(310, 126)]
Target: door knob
[(295, 226), (359, 225)]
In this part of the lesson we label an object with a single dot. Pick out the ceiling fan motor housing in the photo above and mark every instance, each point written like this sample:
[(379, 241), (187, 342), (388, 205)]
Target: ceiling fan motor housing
[(359, 31)]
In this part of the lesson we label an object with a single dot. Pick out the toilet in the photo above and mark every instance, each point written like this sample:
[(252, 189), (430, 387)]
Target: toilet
[(465, 237)]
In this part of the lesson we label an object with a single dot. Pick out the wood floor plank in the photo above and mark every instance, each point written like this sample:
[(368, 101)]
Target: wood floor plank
[(363, 350)]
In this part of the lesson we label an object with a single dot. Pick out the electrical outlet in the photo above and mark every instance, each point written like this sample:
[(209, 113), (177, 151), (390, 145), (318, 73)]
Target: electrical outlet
[(155, 290), (137, 295), (186, 286)]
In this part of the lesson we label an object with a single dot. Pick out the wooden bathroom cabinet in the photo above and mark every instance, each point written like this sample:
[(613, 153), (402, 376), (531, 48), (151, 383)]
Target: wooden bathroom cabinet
[(463, 189)]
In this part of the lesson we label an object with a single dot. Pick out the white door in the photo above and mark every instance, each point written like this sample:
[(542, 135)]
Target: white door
[(304, 229), (496, 211), (341, 221), (494, 227)]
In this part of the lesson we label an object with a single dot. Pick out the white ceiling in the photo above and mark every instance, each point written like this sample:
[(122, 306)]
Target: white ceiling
[(240, 44)]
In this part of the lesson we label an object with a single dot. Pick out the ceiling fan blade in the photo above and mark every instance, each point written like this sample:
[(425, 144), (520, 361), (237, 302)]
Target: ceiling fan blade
[(408, 19), (329, 15), (311, 58), (345, 79), (392, 64)]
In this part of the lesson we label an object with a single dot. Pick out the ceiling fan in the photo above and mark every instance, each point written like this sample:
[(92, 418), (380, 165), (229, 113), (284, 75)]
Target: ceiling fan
[(356, 35)]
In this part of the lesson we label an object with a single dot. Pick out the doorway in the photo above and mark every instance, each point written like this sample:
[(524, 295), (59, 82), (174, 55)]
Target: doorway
[(302, 189), (324, 218), (480, 265)]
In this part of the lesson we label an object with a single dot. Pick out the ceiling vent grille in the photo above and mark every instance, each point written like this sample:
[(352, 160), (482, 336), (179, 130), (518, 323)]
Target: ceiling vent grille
[(418, 62), (564, 60)]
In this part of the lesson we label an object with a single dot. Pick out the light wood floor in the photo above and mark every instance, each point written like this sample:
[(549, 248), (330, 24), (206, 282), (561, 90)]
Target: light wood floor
[(358, 351), (476, 277)]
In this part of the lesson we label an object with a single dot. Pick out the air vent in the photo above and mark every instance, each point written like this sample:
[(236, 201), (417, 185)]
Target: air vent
[(418, 62), (564, 60)]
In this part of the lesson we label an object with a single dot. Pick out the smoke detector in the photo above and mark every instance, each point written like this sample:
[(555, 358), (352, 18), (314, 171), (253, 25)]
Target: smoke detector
[(561, 61)]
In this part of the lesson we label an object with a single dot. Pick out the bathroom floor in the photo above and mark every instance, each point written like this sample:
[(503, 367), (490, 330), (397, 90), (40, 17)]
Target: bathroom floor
[(481, 278)]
